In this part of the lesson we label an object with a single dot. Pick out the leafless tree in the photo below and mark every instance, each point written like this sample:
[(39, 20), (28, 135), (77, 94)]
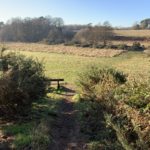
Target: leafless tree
[(96, 34)]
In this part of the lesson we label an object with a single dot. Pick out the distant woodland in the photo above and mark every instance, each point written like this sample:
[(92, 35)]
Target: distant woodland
[(54, 31)]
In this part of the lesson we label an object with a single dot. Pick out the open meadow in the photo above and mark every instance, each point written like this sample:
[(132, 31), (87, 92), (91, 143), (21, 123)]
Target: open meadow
[(66, 62), (135, 64)]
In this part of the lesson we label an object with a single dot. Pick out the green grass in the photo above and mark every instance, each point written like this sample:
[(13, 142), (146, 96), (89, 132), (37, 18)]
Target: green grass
[(21, 132), (23, 128), (29, 134), (33, 131), (67, 66), (22, 140), (94, 128)]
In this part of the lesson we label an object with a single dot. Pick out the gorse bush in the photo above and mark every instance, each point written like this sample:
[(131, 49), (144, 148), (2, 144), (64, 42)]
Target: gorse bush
[(23, 83), (122, 46), (136, 46), (98, 84), (29, 75), (136, 94), (110, 104), (93, 126), (12, 99)]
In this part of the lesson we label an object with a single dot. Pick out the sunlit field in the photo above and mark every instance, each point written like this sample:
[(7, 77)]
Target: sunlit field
[(61, 49), (67, 61), (135, 64), (133, 33)]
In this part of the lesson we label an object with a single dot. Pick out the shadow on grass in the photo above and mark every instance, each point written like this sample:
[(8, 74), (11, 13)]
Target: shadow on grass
[(27, 131), (93, 127)]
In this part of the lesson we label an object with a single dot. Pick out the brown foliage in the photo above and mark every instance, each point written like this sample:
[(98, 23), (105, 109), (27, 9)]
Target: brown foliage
[(95, 35)]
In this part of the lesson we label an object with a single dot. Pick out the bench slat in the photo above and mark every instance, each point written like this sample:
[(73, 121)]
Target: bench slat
[(56, 79)]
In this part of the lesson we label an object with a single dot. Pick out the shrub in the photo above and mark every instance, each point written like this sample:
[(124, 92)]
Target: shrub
[(94, 127), (123, 46), (78, 45), (110, 46), (95, 34), (99, 46), (86, 45), (68, 43), (23, 83), (135, 94), (137, 47), (11, 99), (98, 84)]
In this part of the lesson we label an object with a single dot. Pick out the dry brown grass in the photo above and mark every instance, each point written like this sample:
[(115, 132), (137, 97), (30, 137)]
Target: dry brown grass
[(61, 49), (133, 33), (145, 43)]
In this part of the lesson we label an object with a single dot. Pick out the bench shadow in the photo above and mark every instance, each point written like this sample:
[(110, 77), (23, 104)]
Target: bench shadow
[(65, 89)]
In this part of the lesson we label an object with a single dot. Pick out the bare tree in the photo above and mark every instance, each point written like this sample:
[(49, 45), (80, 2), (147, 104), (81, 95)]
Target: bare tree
[(144, 24), (136, 26), (96, 34), (30, 29)]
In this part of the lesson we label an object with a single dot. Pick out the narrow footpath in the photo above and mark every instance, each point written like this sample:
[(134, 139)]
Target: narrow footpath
[(66, 129)]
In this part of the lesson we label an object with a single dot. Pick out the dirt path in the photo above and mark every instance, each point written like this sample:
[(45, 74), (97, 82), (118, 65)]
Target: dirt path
[(66, 128)]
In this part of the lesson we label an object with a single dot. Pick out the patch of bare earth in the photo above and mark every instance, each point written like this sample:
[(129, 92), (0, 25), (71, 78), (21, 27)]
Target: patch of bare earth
[(61, 49)]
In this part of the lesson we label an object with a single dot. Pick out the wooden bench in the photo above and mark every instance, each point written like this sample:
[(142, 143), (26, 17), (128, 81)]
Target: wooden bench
[(56, 80)]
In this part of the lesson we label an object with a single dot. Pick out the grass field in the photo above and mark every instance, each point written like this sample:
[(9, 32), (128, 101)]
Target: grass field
[(61, 49), (65, 61), (135, 64), (133, 33)]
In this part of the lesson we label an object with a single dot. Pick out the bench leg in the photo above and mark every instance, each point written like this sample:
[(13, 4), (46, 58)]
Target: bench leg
[(58, 85)]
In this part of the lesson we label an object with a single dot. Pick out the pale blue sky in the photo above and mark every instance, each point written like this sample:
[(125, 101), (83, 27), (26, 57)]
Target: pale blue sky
[(117, 12)]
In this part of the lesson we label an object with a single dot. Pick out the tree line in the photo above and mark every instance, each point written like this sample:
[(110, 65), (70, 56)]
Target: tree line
[(52, 31), (34, 30), (144, 24)]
